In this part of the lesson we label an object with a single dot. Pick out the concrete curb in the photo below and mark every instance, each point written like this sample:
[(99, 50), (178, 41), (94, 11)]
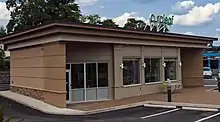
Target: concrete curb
[(39, 105), (187, 105), (116, 108), (183, 108), (49, 109)]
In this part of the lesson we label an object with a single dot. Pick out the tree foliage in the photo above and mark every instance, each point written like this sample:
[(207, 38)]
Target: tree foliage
[(109, 23), (132, 23), (28, 13), (2, 59), (2, 31), (96, 20), (93, 19)]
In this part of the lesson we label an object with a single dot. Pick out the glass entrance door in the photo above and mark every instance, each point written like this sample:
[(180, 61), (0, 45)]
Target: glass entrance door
[(89, 81), (78, 82), (68, 83)]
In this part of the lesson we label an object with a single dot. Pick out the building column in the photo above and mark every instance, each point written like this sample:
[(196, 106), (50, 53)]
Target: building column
[(192, 67), (209, 62), (218, 64), (179, 65), (162, 78)]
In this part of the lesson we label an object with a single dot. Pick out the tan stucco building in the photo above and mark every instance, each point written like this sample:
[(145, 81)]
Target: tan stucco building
[(61, 63)]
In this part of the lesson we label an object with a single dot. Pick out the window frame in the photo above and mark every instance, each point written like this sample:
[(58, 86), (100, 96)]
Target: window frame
[(160, 68), (139, 71), (176, 66)]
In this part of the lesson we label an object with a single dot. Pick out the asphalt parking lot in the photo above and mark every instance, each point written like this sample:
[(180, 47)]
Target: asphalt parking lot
[(137, 114)]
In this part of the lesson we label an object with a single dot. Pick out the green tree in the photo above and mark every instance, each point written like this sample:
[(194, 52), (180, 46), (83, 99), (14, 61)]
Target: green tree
[(109, 22), (131, 23), (2, 31), (93, 19), (28, 13), (2, 59)]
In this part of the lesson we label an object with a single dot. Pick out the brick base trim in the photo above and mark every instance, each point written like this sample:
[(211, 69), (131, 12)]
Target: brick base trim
[(36, 94)]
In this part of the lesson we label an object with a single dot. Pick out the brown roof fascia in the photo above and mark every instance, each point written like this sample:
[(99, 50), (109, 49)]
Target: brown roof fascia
[(87, 26), (122, 30)]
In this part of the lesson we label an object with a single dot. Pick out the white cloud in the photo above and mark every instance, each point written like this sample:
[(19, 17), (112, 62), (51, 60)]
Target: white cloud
[(198, 15), (101, 6), (183, 7), (189, 33), (103, 18), (218, 29), (86, 2), (121, 20), (4, 14)]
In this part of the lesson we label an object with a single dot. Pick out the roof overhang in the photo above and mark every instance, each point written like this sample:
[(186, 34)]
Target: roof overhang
[(59, 31)]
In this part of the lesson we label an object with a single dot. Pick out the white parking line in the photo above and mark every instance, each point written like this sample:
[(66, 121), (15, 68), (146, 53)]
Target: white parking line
[(210, 85), (159, 106), (161, 113), (200, 109), (209, 117)]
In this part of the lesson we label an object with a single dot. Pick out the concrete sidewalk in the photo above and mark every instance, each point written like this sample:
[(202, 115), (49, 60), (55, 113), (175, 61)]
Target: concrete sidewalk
[(39, 105), (199, 95), (192, 97)]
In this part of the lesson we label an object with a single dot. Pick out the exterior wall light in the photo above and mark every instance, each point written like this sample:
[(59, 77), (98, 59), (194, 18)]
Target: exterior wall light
[(121, 65), (144, 65), (180, 63), (164, 64)]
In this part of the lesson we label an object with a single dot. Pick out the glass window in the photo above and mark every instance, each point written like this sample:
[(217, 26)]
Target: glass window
[(152, 70), (102, 74), (91, 78), (77, 76), (131, 71), (170, 69)]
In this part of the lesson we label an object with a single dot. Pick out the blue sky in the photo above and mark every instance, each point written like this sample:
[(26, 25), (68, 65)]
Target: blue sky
[(199, 17)]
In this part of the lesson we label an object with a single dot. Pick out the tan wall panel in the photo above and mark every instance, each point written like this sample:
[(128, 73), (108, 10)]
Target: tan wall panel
[(51, 73), (58, 100), (84, 52), (28, 72), (27, 52), (170, 52), (152, 51), (193, 81), (27, 62), (55, 48), (28, 82), (129, 50), (55, 73), (110, 80), (45, 71), (118, 78), (131, 91), (55, 85), (54, 61), (192, 67), (151, 88)]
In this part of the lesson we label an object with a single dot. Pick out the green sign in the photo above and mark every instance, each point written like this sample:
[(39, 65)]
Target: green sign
[(161, 19)]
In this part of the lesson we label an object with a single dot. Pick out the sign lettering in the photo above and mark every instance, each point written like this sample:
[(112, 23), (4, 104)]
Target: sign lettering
[(161, 22)]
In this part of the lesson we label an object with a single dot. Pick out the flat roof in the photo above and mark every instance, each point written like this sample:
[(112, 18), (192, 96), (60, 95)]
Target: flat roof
[(121, 35), (100, 27)]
